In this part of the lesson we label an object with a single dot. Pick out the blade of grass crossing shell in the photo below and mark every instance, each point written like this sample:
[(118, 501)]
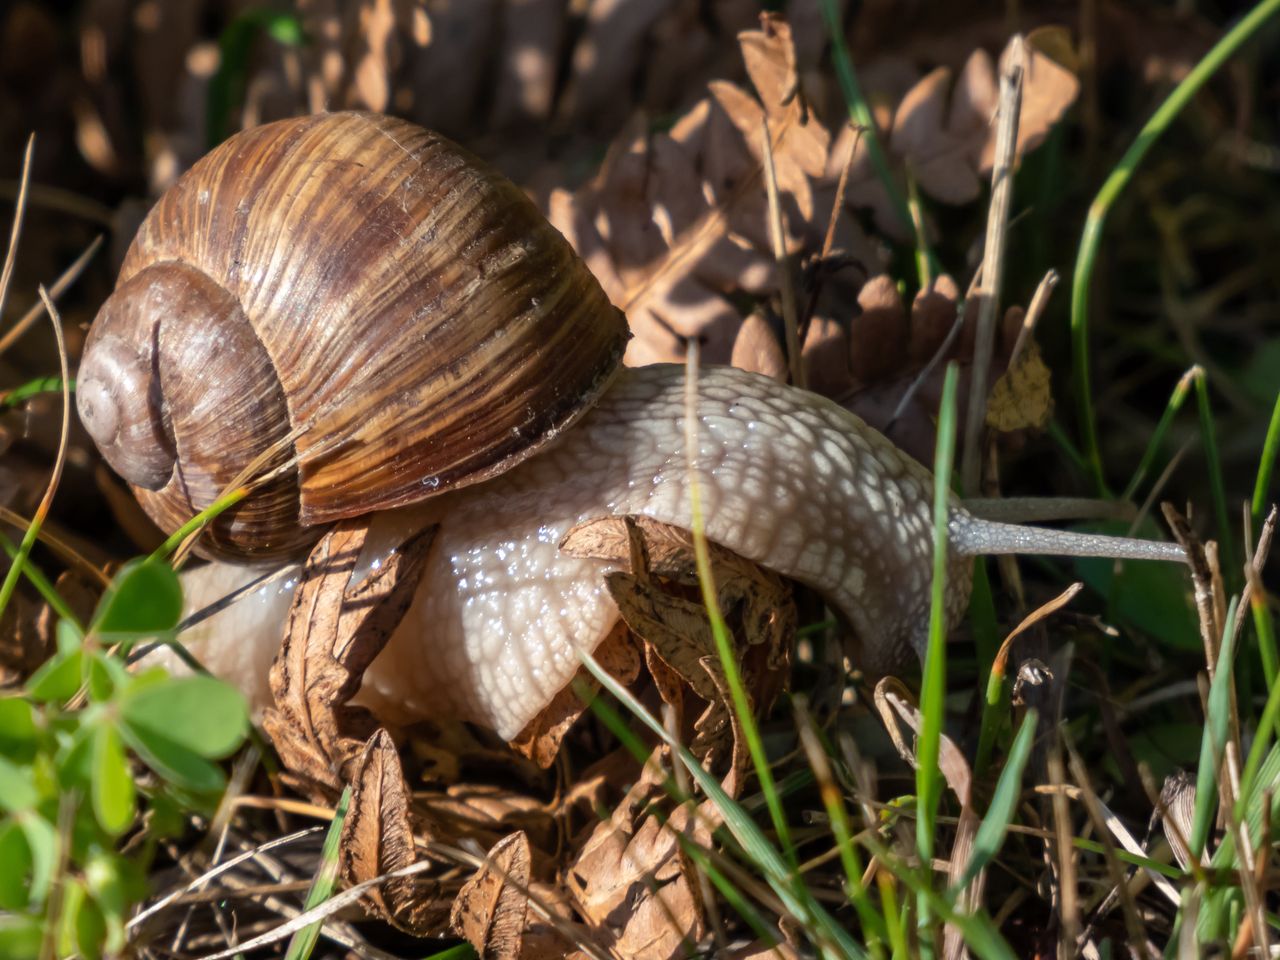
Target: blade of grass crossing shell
[(1004, 803), (1121, 174), (860, 113), (787, 884), (1171, 409), (719, 631), (1209, 436), (19, 562), (304, 941), (934, 685), (199, 521), (1214, 740), (1262, 484)]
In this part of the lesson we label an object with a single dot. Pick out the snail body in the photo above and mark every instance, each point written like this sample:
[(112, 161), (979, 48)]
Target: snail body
[(373, 318), (788, 479)]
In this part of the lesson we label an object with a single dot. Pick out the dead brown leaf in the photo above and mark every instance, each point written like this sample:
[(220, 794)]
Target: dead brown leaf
[(334, 631), (378, 837), (933, 314), (878, 334), (656, 603), (631, 881), (492, 908), (1023, 397), (541, 738), (756, 349)]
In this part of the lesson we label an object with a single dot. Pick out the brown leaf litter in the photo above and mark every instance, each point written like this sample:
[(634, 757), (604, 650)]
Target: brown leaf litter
[(624, 882)]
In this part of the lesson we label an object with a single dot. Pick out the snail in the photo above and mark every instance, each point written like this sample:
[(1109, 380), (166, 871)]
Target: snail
[(789, 479)]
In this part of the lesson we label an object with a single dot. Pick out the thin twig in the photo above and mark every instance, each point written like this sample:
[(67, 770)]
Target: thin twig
[(11, 256), (59, 287), (1034, 312), (993, 261)]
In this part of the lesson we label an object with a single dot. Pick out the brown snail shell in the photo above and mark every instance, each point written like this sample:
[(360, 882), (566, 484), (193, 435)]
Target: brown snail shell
[(360, 285)]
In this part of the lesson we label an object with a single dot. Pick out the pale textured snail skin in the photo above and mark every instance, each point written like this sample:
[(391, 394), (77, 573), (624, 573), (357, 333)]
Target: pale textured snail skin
[(789, 480)]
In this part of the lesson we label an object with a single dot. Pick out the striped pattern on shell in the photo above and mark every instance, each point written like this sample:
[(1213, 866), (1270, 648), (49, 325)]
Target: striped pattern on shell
[(422, 325)]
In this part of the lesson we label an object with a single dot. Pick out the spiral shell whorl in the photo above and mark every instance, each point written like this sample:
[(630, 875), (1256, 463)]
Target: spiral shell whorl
[(425, 326), (174, 368)]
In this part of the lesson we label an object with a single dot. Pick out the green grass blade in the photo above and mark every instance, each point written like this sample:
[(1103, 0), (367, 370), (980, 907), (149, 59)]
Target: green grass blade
[(198, 522), (463, 951), (742, 706), (1262, 484), (1214, 741), (860, 113), (38, 580), (934, 686), (1091, 238), (982, 620), (1171, 409), (1209, 437), (732, 895), (235, 48), (979, 933), (304, 941), (1004, 803), (873, 928), (1265, 628), (32, 388), (786, 883)]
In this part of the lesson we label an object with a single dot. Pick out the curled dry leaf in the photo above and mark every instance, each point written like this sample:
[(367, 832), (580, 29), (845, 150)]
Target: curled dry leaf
[(486, 813), (378, 837), (656, 601), (675, 224), (1177, 801), (335, 629), (492, 908), (540, 740)]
